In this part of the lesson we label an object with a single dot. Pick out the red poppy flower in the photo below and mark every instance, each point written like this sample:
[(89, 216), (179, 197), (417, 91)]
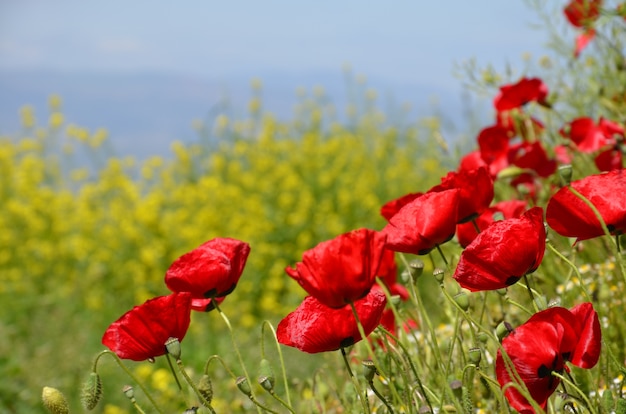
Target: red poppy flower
[(341, 270), (582, 13), (543, 345), (503, 253), (582, 40), (314, 327), (210, 270), (611, 159), (424, 223), (589, 136), (493, 142), (206, 304), (141, 333), (475, 191), (519, 94), (517, 123), (389, 209), (466, 232), (532, 156), (571, 217)]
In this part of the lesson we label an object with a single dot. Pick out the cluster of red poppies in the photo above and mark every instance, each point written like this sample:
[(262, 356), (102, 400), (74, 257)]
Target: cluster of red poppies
[(582, 14), (341, 275), (199, 280)]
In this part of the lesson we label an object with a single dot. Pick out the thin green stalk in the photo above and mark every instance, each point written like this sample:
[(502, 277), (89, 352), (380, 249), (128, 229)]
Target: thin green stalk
[(236, 348), (280, 356), (204, 401), (574, 267), (355, 382), (381, 397), (129, 373), (578, 390), (368, 345)]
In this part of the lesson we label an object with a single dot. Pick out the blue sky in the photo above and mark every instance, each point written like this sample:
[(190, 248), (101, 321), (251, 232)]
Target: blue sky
[(406, 41)]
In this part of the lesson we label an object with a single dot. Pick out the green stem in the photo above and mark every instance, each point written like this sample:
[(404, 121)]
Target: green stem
[(381, 397), (129, 373), (280, 357), (236, 348), (578, 390), (204, 401), (355, 382)]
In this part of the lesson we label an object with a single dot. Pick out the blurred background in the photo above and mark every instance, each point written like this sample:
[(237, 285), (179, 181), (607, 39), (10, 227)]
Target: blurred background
[(146, 70)]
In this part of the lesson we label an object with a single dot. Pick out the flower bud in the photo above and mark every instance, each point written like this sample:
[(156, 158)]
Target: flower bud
[(205, 388), (173, 347), (565, 173), (244, 386), (475, 355), (462, 299), (482, 337), (54, 401), (266, 375), (369, 370), (438, 273), (503, 329), (92, 391), (457, 388)]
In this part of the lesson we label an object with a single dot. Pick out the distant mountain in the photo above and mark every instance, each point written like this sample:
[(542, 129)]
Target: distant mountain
[(145, 112)]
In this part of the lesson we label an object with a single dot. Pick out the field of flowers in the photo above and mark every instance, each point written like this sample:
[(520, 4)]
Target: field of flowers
[(242, 273)]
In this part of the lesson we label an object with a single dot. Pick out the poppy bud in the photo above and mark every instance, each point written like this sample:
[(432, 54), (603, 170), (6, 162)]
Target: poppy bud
[(266, 375), (205, 388), (244, 386), (462, 299), (474, 355), (482, 337), (173, 347), (620, 408), (54, 401), (503, 329), (369, 370), (457, 388), (438, 273), (92, 391), (565, 172)]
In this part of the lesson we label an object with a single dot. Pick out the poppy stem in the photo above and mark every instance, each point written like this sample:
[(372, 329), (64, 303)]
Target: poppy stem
[(169, 362), (355, 381), (574, 267), (381, 397), (219, 358), (280, 356), (410, 361), (236, 348), (359, 326), (443, 256), (573, 385), (530, 293), (129, 373), (203, 400)]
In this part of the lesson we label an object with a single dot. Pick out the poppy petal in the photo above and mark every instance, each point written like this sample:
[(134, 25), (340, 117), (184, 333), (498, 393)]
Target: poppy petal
[(424, 223), (503, 253), (314, 327), (570, 216), (141, 333)]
